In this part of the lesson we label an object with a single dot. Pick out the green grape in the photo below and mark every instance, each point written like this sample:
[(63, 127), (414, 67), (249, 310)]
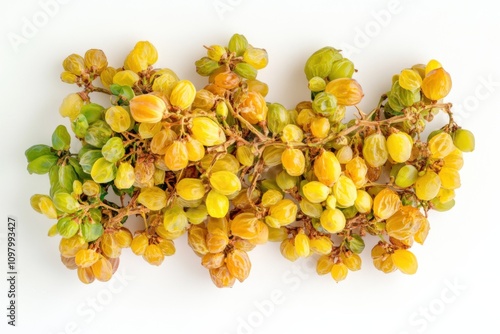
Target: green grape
[(363, 202), (65, 202), (406, 176), (207, 132), (319, 64), (67, 227), (464, 140), (197, 215), (183, 94), (61, 138), (175, 219), (410, 79), (272, 155), (91, 231), (246, 71), (66, 177), (316, 84), (342, 68), (113, 150), (98, 134), (206, 66), (238, 44), (312, 210), (42, 164), (277, 117), (92, 112), (37, 151), (103, 171), (80, 126), (88, 159), (286, 181), (325, 104)]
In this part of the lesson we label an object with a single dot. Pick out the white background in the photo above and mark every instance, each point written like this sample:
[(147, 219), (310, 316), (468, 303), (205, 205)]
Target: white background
[(456, 286)]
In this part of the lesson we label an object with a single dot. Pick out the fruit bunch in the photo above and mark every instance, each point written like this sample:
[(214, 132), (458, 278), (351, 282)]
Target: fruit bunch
[(233, 171)]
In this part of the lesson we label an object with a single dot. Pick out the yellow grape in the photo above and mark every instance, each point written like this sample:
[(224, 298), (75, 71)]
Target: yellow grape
[(410, 79), (363, 202), (147, 108), (450, 178), (352, 261), (345, 191), (332, 220), (154, 198), (139, 244), (315, 192), (190, 189), (287, 249), (183, 94), (217, 204), (386, 203), (225, 183), (207, 132), (339, 272), (153, 255), (222, 277), (284, 212), (437, 84), (176, 156), (375, 150), (405, 261), (239, 265), (293, 161), (399, 146), (321, 245), (327, 168), (86, 257), (357, 170), (441, 145), (427, 186), (302, 244), (324, 265)]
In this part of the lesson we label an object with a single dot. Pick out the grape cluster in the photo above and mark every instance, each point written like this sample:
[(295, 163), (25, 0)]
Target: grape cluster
[(233, 171)]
